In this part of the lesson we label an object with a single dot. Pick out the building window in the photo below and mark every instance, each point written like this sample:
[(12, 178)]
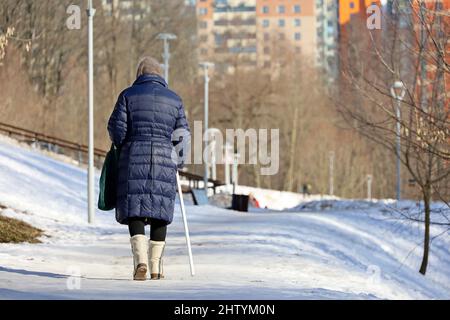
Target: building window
[(297, 22), (218, 38), (203, 38), (281, 36), (265, 9), (237, 49), (203, 24), (266, 50), (203, 51), (281, 23), (203, 11), (330, 31), (266, 64), (266, 36), (298, 36), (297, 8), (281, 9), (265, 23)]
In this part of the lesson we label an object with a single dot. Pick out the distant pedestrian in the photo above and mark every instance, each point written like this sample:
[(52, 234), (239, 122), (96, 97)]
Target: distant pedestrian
[(142, 127), (306, 189)]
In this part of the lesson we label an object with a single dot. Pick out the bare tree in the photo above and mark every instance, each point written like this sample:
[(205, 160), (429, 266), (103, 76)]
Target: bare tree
[(412, 50)]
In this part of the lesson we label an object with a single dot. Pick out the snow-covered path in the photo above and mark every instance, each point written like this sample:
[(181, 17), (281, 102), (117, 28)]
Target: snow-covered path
[(340, 254)]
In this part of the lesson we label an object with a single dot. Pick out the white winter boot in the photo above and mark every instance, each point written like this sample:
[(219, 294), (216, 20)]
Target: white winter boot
[(156, 250), (139, 248)]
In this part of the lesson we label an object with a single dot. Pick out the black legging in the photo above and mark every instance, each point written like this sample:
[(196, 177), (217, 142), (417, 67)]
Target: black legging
[(158, 228)]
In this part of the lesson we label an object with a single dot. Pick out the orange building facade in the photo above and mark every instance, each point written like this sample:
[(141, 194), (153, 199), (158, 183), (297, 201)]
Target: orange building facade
[(348, 8), (290, 22)]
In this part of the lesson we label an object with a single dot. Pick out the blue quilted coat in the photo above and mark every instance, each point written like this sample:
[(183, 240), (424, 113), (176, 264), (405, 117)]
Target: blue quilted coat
[(142, 125)]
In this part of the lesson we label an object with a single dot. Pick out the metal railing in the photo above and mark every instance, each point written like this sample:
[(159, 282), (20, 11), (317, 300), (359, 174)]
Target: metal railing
[(79, 151), (24, 134)]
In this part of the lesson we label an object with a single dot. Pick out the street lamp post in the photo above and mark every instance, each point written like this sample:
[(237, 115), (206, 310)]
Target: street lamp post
[(213, 151), (213, 160), (398, 93), (206, 65), (166, 37), (235, 173), (369, 187), (228, 150), (91, 191), (331, 182)]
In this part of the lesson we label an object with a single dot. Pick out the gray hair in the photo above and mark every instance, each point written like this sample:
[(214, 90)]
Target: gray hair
[(149, 65)]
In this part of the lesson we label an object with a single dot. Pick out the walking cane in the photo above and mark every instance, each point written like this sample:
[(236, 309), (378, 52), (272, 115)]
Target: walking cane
[(186, 229)]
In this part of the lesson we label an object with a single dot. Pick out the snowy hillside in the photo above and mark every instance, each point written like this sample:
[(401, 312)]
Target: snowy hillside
[(344, 252)]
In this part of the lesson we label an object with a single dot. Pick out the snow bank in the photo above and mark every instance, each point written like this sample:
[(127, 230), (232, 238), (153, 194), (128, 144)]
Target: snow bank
[(356, 253), (275, 199)]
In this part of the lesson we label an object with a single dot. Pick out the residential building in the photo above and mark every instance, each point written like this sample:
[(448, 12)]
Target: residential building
[(127, 9), (251, 33), (285, 26), (327, 20), (227, 33)]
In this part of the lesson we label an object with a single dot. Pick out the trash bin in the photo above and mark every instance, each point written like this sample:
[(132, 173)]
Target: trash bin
[(239, 202)]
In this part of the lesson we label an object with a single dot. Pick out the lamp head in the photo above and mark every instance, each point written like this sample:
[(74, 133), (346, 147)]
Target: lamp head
[(167, 36), (398, 90), (206, 64)]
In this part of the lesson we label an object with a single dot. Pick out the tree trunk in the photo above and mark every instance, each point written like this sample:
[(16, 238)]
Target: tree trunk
[(426, 242)]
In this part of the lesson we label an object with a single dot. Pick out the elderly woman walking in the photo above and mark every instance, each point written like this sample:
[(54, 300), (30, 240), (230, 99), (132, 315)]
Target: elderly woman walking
[(142, 126)]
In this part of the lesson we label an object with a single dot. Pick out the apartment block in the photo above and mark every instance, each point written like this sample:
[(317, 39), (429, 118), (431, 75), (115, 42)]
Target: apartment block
[(327, 37), (227, 33), (127, 9), (288, 22), (249, 33)]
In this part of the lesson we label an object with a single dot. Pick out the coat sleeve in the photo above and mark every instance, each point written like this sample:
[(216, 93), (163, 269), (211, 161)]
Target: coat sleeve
[(182, 137), (117, 124)]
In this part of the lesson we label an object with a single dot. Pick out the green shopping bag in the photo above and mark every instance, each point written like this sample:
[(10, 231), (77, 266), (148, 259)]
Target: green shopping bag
[(108, 180)]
